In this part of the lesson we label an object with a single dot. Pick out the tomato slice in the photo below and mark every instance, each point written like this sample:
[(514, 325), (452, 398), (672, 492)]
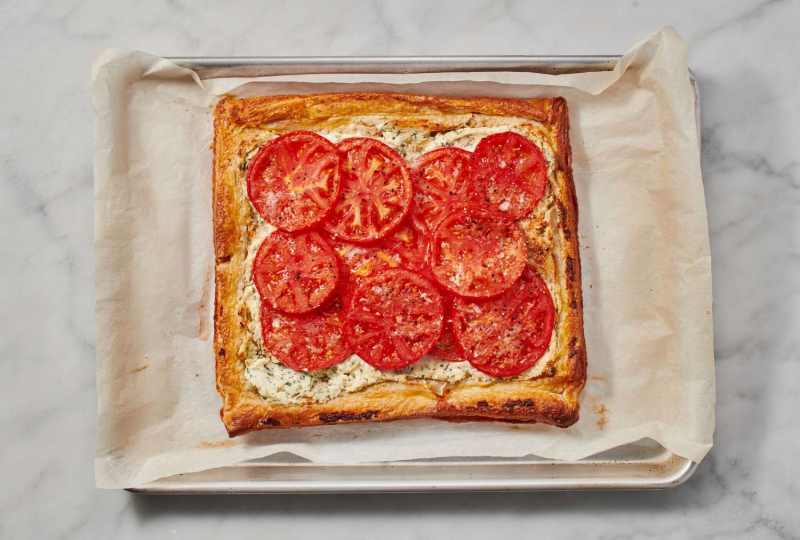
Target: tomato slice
[(295, 272), (447, 347), (306, 342), (510, 175), (504, 336), (376, 191), (405, 248), (442, 181), (408, 244), (393, 318), (477, 254), (293, 181)]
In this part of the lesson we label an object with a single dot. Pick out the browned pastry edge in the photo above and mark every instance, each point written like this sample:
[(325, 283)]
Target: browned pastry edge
[(551, 399)]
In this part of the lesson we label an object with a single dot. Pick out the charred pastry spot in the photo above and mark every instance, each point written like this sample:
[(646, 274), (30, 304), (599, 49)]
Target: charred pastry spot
[(269, 422), (514, 403), (570, 268), (332, 418), (221, 351)]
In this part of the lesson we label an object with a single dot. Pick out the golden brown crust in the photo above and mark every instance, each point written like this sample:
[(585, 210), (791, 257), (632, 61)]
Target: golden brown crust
[(551, 398)]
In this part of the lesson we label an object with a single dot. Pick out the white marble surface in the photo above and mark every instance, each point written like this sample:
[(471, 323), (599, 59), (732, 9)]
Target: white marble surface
[(745, 55)]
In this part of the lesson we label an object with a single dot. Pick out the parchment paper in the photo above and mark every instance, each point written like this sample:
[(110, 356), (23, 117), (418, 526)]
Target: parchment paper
[(644, 250)]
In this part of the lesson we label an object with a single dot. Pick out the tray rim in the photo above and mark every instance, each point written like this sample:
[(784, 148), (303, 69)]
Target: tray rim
[(296, 65), (276, 478)]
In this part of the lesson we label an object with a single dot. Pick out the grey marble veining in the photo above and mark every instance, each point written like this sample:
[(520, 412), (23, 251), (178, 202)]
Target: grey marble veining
[(745, 57)]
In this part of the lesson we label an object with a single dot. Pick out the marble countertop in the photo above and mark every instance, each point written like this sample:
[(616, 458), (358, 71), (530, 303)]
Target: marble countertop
[(744, 55)]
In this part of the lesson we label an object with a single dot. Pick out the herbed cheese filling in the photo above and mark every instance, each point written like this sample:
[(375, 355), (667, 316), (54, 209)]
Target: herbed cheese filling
[(279, 384)]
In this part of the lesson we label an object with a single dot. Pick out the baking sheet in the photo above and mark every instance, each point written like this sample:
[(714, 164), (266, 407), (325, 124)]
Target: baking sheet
[(651, 363), (641, 465)]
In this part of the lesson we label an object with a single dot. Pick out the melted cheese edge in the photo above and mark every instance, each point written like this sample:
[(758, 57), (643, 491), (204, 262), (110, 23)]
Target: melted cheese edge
[(277, 383)]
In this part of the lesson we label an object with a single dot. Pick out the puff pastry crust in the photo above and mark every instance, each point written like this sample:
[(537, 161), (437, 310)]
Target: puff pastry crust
[(551, 398)]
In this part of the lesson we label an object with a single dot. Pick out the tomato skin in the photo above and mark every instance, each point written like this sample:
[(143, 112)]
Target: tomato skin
[(376, 191), (294, 180), (506, 335), (295, 272), (306, 342), (393, 318), (404, 248), (447, 346), (510, 174), (477, 254), (442, 184)]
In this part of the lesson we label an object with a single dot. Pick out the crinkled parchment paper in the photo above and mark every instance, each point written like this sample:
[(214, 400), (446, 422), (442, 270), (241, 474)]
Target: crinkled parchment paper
[(644, 250)]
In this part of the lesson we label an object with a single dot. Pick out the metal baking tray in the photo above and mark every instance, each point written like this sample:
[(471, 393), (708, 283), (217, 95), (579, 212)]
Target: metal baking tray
[(641, 465)]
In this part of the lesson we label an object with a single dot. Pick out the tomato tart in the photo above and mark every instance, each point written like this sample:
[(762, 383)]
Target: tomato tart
[(388, 256)]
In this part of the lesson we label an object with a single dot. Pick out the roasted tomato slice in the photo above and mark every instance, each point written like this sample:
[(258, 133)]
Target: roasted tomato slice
[(376, 191), (306, 342), (442, 180), (295, 272), (405, 248), (510, 174), (447, 347), (504, 336), (393, 318), (477, 254), (293, 181)]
